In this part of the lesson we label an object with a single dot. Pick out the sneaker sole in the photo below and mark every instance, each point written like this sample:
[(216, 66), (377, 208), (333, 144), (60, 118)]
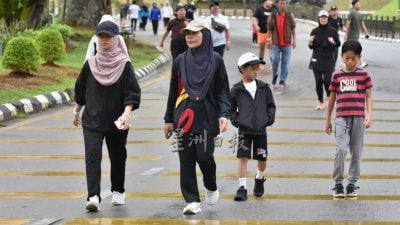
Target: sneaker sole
[(239, 199), (116, 203), (92, 208), (191, 212), (339, 196), (258, 195)]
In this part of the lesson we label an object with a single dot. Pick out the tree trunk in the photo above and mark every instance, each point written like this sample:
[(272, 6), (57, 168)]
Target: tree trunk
[(39, 13), (87, 13)]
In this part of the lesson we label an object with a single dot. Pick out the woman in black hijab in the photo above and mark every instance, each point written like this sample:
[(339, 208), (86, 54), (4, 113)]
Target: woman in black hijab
[(323, 41), (197, 110)]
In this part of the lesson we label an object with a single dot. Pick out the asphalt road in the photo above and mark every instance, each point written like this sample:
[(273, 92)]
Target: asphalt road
[(42, 173)]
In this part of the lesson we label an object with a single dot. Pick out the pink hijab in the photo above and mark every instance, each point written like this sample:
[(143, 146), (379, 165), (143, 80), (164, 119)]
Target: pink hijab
[(107, 65)]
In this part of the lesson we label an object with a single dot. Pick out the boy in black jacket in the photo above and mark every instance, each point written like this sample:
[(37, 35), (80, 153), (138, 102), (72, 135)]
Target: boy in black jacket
[(252, 110)]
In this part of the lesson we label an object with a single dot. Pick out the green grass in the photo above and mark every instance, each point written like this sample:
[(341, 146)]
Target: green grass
[(366, 5), (390, 9), (142, 55)]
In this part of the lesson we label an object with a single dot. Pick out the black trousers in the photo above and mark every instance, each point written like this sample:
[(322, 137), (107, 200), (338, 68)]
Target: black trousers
[(165, 20), (116, 145), (198, 149), (220, 50), (322, 80), (133, 24), (177, 47), (155, 26), (143, 23)]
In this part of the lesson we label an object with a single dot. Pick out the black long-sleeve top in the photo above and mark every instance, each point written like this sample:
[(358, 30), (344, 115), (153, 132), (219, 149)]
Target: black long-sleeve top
[(323, 57), (104, 104), (250, 115), (206, 111)]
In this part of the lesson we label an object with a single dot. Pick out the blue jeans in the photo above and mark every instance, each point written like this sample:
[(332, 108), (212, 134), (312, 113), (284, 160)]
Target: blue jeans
[(277, 51)]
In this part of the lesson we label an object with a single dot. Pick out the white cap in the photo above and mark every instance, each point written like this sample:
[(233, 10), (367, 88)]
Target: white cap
[(323, 13), (250, 59), (196, 25)]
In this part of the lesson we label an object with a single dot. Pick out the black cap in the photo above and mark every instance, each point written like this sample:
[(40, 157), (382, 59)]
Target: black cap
[(107, 27), (333, 8)]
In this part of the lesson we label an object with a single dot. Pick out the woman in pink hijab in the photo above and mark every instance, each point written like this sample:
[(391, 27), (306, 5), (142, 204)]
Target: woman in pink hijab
[(108, 89)]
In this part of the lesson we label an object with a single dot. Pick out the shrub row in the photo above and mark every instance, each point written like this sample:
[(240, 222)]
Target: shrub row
[(24, 52)]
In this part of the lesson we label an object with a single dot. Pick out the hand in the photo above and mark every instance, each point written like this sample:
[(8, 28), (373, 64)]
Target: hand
[(77, 120), (161, 45), (294, 44), (228, 46), (223, 125), (125, 121), (346, 37), (312, 38), (367, 122), (258, 28), (328, 127), (366, 35), (330, 39), (269, 45), (168, 128)]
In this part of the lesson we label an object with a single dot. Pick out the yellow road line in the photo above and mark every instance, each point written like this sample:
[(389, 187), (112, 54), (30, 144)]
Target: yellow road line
[(160, 195), (80, 157), (145, 221), (311, 159), (276, 130), (47, 173), (312, 107), (154, 81), (167, 142), (313, 99), (5, 221), (295, 176)]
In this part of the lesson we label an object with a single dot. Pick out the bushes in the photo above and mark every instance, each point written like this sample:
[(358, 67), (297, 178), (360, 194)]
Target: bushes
[(51, 45), (65, 30), (21, 54)]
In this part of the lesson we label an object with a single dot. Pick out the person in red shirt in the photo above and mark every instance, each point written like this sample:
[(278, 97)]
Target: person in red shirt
[(281, 28), (351, 92)]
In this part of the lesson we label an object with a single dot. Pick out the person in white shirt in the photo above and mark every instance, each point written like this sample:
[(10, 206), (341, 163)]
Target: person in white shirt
[(94, 42), (219, 29), (134, 14), (167, 13)]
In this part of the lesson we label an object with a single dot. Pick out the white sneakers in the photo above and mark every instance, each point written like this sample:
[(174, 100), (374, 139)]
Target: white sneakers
[(118, 198), (211, 197), (93, 204), (192, 208)]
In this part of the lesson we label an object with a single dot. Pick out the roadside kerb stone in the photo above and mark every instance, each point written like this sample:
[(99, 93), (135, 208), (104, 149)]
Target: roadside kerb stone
[(39, 103)]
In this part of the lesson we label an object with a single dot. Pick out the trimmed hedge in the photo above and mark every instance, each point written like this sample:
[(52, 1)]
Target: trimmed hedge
[(21, 54)]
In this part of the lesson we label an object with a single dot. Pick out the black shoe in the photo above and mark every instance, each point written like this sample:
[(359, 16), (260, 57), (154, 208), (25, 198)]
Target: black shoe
[(351, 190), (259, 187), (274, 79), (338, 191), (241, 194)]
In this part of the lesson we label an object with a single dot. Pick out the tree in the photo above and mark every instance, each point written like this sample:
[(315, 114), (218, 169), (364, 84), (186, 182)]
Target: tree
[(88, 12), (33, 12)]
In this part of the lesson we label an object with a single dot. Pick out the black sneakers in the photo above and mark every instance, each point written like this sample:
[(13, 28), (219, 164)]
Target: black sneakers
[(351, 190), (338, 191), (241, 194), (259, 187)]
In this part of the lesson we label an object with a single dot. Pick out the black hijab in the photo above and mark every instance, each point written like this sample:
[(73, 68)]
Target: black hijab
[(198, 67)]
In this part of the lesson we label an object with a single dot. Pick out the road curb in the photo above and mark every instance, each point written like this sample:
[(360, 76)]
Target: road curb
[(40, 103)]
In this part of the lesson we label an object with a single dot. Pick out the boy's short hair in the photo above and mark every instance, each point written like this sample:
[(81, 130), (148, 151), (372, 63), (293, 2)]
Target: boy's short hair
[(352, 45), (354, 2)]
